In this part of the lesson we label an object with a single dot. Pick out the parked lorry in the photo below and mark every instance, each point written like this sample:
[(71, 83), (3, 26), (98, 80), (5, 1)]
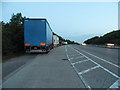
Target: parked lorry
[(55, 40), (38, 35)]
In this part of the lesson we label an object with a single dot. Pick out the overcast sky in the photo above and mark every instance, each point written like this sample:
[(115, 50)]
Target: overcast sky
[(76, 21)]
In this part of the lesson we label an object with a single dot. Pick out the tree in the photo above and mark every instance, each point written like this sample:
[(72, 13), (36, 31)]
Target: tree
[(12, 35), (112, 37)]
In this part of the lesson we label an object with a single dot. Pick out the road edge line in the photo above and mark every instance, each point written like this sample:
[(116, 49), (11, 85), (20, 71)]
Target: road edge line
[(80, 76)]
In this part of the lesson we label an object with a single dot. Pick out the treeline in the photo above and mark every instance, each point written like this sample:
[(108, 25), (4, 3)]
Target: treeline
[(13, 35), (66, 40), (112, 37)]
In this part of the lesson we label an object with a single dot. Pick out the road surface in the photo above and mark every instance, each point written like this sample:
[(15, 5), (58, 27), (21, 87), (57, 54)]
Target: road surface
[(97, 67), (68, 66)]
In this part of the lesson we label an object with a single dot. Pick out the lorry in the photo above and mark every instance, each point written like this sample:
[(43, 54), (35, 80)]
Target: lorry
[(38, 35), (55, 40)]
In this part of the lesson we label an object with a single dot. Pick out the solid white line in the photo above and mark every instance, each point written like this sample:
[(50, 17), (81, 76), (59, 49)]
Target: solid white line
[(101, 59), (76, 57), (115, 84), (69, 59), (98, 65), (90, 69), (81, 61), (85, 83)]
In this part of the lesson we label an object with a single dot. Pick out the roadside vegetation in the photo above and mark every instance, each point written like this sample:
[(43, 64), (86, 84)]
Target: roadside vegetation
[(66, 40), (112, 37), (13, 37)]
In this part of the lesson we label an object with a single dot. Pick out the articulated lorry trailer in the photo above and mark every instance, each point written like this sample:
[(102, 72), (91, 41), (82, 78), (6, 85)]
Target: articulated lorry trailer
[(38, 36), (55, 40)]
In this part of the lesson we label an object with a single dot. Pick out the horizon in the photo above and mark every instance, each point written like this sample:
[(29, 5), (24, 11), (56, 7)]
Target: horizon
[(77, 21)]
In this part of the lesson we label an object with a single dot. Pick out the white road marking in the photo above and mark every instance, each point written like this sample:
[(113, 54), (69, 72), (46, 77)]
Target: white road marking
[(81, 61), (71, 58), (101, 59), (98, 64), (115, 84), (90, 69), (85, 83), (76, 57)]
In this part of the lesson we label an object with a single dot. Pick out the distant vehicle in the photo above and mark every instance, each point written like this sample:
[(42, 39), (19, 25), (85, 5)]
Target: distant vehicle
[(37, 35), (64, 43), (55, 40), (110, 45), (83, 44)]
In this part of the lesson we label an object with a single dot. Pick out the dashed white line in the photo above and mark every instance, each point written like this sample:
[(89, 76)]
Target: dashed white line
[(90, 69)]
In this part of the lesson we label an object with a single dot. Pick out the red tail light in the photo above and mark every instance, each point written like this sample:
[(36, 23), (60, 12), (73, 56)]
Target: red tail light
[(27, 44), (42, 44)]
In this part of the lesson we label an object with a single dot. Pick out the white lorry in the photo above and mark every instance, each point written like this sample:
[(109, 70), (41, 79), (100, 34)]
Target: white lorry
[(55, 40)]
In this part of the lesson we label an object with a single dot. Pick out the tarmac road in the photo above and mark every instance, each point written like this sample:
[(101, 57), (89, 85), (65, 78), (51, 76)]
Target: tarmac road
[(51, 70), (68, 66), (98, 67)]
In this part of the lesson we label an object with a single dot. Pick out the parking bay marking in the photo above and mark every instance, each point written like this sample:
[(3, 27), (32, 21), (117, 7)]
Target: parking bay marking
[(77, 57), (83, 80), (101, 59), (74, 55), (81, 61), (90, 69), (98, 65), (115, 85)]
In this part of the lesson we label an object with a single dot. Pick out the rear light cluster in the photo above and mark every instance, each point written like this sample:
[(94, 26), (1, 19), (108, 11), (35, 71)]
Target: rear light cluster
[(27, 44), (42, 44)]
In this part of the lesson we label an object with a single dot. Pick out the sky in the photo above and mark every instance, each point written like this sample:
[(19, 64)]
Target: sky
[(77, 21)]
